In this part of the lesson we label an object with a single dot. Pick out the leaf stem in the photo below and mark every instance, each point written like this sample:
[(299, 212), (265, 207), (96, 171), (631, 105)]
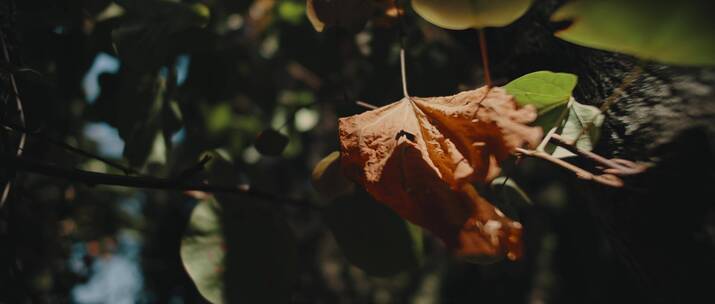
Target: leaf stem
[(401, 38), (403, 72), (366, 105), (485, 57)]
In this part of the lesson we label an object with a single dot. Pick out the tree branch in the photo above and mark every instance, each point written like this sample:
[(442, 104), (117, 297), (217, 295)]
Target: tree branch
[(485, 58), (614, 166), (21, 114), (604, 179), (24, 164), (69, 148)]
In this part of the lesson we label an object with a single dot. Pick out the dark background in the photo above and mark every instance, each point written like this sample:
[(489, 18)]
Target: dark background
[(259, 64)]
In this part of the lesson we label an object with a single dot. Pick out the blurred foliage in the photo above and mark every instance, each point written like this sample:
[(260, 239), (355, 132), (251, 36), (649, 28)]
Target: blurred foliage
[(196, 76), (679, 33)]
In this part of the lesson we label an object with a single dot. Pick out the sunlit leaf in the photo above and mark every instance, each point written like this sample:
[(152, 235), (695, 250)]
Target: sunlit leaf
[(218, 117), (579, 116), (291, 12), (674, 32), (306, 119), (464, 14), (544, 90), (203, 250)]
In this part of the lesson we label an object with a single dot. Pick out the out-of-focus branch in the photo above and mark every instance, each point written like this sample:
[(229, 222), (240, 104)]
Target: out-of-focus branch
[(23, 164), (20, 112)]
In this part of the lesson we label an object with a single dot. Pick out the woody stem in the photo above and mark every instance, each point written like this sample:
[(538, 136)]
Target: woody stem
[(606, 179), (485, 58)]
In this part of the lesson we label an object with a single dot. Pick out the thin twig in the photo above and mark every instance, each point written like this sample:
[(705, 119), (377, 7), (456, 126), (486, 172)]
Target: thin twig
[(366, 105), (618, 167), (145, 182), (21, 114), (553, 130), (69, 148), (605, 179), (485, 58)]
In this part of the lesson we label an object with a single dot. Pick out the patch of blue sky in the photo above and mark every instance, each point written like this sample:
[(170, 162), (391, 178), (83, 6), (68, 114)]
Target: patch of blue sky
[(109, 144), (182, 68), (178, 137), (115, 280), (103, 63)]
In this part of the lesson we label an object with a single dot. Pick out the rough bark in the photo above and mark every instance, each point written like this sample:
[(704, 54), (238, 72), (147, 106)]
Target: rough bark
[(662, 225)]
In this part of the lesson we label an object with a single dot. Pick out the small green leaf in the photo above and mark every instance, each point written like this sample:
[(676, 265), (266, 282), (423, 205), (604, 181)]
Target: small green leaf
[(218, 117), (328, 180), (373, 237), (271, 142), (674, 32), (292, 12), (579, 116), (509, 192), (464, 14), (544, 90)]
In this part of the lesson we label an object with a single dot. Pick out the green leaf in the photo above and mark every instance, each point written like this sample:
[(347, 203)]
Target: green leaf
[(150, 29), (351, 15), (569, 120), (464, 14), (139, 117), (544, 90), (202, 250), (328, 180), (373, 237), (238, 252), (579, 116), (674, 32), (292, 12), (508, 196), (238, 249)]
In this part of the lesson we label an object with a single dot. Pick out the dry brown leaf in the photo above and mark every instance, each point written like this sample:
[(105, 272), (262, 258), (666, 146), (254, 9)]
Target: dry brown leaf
[(420, 156)]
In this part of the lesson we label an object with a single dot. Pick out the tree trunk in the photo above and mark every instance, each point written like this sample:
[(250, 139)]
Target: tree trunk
[(662, 224)]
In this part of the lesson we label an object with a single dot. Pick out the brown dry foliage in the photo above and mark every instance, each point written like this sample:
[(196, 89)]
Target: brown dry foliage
[(421, 156)]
